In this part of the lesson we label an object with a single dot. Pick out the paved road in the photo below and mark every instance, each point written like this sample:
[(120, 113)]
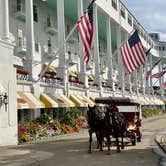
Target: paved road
[(74, 152)]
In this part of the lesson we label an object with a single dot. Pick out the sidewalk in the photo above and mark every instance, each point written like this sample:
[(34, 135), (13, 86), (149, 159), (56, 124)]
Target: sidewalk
[(161, 140), (19, 155)]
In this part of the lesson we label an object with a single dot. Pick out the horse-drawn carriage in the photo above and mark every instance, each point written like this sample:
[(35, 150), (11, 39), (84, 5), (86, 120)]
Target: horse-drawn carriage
[(131, 110), (122, 118)]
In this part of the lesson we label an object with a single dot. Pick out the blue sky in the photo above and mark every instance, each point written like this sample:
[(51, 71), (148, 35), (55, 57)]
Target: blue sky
[(150, 13)]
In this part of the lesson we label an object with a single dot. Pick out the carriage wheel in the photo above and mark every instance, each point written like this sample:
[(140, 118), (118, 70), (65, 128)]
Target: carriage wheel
[(133, 139), (139, 137)]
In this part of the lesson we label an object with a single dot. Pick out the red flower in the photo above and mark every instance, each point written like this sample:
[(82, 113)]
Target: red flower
[(22, 71), (21, 129)]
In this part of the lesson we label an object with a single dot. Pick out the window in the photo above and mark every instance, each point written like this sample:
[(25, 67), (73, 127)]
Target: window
[(35, 15), (134, 24), (163, 48), (49, 42), (36, 47), (114, 4), (19, 5), (48, 22), (129, 19), (67, 29), (144, 36), (122, 11)]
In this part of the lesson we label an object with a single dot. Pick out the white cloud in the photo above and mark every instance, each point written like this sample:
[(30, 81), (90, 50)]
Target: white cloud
[(162, 36), (150, 13)]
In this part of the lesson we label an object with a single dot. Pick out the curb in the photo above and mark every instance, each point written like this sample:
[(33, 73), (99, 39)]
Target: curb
[(159, 149), (64, 137), (161, 144)]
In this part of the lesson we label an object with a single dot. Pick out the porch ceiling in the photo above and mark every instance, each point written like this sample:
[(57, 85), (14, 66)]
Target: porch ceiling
[(71, 12)]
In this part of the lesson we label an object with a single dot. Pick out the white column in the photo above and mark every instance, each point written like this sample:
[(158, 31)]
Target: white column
[(147, 81), (96, 49), (136, 80), (62, 68), (129, 80), (142, 79), (161, 80), (162, 87), (35, 88), (83, 75), (151, 83), (29, 34), (5, 19), (109, 53), (120, 63), (128, 77)]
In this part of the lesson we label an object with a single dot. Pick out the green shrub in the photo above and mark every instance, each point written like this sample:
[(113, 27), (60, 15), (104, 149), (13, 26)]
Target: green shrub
[(70, 117), (152, 112), (44, 118)]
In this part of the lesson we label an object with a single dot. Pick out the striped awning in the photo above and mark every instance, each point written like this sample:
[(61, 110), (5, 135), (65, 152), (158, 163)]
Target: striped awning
[(81, 101), (90, 77), (97, 104), (27, 100), (159, 102), (73, 74), (17, 61), (61, 100), (50, 68), (48, 101)]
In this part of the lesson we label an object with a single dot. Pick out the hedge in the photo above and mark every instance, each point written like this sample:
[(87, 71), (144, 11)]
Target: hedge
[(152, 112)]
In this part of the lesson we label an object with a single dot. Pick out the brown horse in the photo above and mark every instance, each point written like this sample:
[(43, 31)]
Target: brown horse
[(117, 122), (112, 123), (98, 126)]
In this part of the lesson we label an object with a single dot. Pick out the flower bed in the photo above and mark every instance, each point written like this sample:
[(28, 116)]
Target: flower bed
[(44, 126)]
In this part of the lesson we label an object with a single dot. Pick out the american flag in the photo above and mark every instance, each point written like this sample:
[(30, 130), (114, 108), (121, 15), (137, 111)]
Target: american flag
[(133, 53), (158, 75), (150, 71), (86, 29)]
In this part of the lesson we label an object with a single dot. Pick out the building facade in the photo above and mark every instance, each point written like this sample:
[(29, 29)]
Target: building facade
[(44, 65)]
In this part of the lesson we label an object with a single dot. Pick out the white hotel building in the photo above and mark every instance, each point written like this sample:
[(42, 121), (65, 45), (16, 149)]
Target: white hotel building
[(31, 31)]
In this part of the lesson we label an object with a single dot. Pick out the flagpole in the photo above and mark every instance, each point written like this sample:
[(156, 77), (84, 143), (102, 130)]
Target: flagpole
[(71, 32), (59, 49)]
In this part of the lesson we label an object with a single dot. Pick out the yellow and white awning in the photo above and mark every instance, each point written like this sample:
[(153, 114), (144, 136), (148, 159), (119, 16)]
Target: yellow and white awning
[(48, 101), (50, 68), (17, 61), (159, 102), (90, 77), (26, 100), (81, 101), (73, 74), (62, 100), (93, 100), (22, 103)]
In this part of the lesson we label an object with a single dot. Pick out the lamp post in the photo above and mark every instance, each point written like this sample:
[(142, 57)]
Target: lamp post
[(4, 100)]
